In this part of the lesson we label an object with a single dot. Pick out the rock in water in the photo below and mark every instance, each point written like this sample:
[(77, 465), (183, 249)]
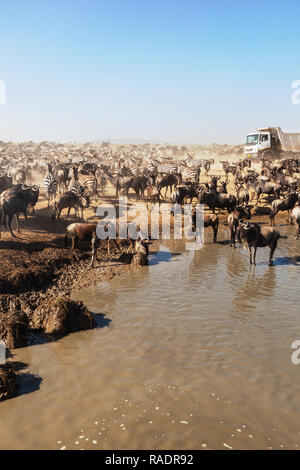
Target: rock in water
[(61, 316)]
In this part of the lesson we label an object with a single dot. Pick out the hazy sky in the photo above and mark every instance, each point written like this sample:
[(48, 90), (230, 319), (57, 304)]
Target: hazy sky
[(168, 70)]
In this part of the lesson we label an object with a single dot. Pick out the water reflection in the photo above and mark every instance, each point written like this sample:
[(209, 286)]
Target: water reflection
[(195, 337)]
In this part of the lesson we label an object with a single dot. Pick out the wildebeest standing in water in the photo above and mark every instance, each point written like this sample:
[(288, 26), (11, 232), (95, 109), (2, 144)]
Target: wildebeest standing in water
[(255, 236), (209, 220)]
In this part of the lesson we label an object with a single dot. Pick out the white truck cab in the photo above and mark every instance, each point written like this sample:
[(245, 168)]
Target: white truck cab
[(257, 143)]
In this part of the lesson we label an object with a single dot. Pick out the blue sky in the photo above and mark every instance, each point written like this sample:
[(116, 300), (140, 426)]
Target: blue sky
[(175, 71)]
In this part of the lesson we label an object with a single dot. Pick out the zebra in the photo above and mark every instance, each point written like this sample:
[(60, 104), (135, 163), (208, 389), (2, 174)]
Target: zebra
[(76, 188), (151, 169), (167, 168), (50, 186), (191, 174), (134, 170), (79, 190), (90, 184), (206, 165), (191, 162)]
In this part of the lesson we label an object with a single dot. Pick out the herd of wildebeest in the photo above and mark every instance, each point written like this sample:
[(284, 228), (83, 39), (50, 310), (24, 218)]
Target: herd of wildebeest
[(74, 182)]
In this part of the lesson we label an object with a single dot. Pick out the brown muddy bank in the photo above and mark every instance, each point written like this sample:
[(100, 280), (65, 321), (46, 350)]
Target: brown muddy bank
[(35, 288)]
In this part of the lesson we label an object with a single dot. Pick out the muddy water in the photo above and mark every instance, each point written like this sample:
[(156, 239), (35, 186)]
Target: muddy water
[(191, 352)]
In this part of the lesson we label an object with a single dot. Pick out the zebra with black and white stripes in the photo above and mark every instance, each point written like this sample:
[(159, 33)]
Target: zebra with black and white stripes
[(205, 164), (77, 188), (50, 184), (90, 185), (135, 170), (191, 174), (151, 168), (167, 168)]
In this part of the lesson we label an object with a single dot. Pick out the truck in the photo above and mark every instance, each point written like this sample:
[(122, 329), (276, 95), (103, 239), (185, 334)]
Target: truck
[(272, 143)]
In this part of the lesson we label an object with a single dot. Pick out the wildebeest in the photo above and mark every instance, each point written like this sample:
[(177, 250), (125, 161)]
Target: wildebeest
[(209, 220), (122, 184), (227, 168), (167, 181), (16, 200), (233, 219), (5, 182), (152, 194), (214, 199), (286, 204), (212, 220), (69, 200), (295, 218), (213, 183), (137, 183), (286, 180), (242, 195), (267, 187), (254, 236), (181, 192), (223, 188)]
